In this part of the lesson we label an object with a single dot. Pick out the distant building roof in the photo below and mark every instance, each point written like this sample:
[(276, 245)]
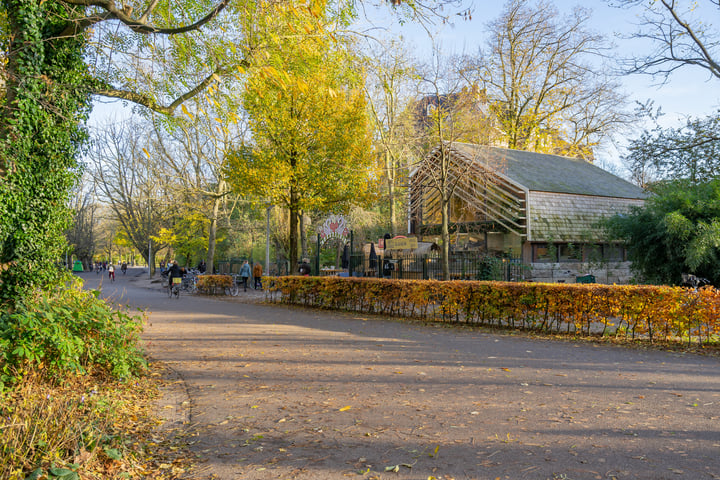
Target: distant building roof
[(551, 173)]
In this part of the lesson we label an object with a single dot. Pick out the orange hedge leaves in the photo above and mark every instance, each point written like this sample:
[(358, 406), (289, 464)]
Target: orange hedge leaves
[(214, 284), (649, 312)]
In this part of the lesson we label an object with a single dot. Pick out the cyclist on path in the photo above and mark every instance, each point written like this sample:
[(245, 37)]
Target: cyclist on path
[(173, 272)]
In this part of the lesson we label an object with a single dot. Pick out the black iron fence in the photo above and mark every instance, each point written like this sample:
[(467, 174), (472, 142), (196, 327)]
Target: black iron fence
[(463, 266), (227, 267)]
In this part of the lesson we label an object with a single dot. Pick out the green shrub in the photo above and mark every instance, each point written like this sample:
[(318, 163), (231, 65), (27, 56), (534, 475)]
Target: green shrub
[(68, 330)]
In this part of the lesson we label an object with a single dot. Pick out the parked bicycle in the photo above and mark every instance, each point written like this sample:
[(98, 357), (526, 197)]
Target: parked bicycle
[(189, 283), (234, 290)]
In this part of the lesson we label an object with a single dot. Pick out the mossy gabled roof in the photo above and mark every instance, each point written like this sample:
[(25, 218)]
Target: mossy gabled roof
[(551, 173)]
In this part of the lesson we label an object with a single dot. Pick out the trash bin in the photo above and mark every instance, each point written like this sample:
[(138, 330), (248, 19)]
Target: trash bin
[(585, 279)]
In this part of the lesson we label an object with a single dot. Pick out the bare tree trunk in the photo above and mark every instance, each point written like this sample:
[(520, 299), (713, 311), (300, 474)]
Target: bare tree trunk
[(212, 229), (390, 169), (293, 234), (212, 236), (149, 255), (303, 236), (445, 235), (338, 254)]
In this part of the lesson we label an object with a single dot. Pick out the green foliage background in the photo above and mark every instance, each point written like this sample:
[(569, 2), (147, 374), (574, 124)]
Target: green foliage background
[(677, 231)]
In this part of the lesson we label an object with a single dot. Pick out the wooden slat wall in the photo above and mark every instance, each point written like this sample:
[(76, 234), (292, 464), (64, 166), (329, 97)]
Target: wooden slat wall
[(562, 217)]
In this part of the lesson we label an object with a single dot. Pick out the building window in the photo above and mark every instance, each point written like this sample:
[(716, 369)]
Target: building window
[(593, 253), (569, 252), (613, 253), (544, 253), (573, 253)]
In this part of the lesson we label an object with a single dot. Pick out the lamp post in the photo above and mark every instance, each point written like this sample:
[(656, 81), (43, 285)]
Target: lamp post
[(317, 254)]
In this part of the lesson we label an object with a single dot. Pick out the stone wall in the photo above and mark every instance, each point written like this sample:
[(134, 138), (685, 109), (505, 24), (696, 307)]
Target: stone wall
[(609, 273)]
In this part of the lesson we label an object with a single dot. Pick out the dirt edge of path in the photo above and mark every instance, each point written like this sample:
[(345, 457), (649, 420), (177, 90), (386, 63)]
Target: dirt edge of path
[(173, 405)]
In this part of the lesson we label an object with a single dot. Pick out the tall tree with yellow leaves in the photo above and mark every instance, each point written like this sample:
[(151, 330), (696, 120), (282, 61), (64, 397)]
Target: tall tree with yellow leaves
[(311, 144)]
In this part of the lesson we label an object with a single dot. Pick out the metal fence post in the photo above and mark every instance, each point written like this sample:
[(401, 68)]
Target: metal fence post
[(350, 256), (317, 257)]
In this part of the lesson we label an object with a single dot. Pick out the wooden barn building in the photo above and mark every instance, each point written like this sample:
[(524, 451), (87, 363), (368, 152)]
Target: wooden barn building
[(542, 208)]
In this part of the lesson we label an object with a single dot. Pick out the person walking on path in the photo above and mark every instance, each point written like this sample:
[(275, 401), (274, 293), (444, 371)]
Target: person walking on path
[(111, 272), (245, 274), (257, 276)]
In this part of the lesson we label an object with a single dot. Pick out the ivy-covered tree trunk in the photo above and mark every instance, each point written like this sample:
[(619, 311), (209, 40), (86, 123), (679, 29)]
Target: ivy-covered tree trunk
[(41, 132)]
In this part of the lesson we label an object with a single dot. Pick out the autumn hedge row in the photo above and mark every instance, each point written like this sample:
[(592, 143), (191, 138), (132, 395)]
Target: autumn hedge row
[(651, 312), (214, 284)]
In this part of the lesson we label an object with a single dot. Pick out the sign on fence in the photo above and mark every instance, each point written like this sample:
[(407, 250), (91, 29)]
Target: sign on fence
[(401, 243)]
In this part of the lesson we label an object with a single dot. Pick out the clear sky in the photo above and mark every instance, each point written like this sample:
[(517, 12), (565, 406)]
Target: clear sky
[(689, 91)]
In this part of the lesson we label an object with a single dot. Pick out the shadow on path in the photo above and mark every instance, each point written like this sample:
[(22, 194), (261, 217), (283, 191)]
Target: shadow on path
[(280, 392)]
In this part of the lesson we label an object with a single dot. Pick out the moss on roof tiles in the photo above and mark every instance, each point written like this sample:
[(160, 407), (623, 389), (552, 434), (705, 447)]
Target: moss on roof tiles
[(552, 173)]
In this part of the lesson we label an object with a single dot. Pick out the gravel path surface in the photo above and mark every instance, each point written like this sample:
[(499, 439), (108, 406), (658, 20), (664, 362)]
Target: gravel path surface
[(278, 392)]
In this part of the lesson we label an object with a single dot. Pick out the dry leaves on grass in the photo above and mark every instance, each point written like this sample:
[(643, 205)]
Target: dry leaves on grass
[(87, 428)]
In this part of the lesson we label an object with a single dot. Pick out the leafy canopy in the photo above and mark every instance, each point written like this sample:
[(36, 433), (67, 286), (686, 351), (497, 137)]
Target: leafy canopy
[(677, 231), (690, 152), (308, 119)]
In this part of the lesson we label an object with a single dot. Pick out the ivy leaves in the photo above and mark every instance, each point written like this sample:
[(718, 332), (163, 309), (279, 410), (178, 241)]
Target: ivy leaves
[(41, 132)]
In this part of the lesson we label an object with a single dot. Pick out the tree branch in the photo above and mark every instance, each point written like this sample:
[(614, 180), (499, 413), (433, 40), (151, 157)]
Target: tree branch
[(152, 104), (678, 42), (112, 12)]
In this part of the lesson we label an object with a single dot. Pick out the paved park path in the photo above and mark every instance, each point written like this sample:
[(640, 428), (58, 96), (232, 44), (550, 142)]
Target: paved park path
[(286, 393)]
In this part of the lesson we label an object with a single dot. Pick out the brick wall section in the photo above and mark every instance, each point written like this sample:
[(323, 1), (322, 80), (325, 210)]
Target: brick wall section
[(563, 217)]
